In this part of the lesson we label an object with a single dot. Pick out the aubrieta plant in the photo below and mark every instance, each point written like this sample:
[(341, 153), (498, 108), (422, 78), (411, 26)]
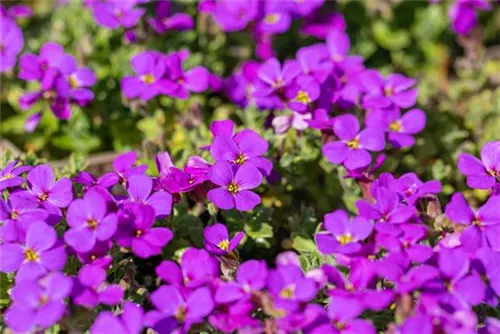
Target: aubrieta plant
[(182, 237)]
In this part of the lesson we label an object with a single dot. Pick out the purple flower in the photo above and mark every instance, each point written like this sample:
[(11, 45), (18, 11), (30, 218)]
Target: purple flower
[(79, 79), (251, 276), (98, 255), (44, 67), (276, 19), (17, 214), (487, 265), (246, 147), (91, 289), (235, 187), (407, 242), (38, 255), (338, 45), (11, 43), (16, 11), (171, 178), (128, 322), (175, 309), (302, 93), (115, 14), (89, 181), (240, 86), (149, 83), (164, 22), (124, 166), (382, 93), (139, 189), (411, 188), (484, 173), (38, 304), (312, 61), (89, 222), (463, 14), (138, 234), (352, 147), (482, 226), (235, 15), (43, 187), (343, 235), (9, 176), (400, 129), (321, 22), (217, 239)]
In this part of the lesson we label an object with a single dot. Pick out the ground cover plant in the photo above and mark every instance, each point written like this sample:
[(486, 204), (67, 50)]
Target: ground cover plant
[(272, 167)]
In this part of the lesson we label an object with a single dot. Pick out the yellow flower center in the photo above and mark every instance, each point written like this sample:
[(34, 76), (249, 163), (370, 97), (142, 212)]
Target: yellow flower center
[(138, 233), (345, 239), (148, 79), (73, 81), (288, 292), (43, 300), (396, 126), (180, 315), (7, 177), (92, 224), (30, 255), (492, 172), (224, 245), (233, 188), (271, 18), (44, 196), (14, 214), (303, 97), (388, 91), (339, 325), (476, 222), (353, 144), (240, 159)]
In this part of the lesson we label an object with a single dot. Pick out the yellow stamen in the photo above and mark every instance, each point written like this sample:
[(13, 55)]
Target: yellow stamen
[(288, 292), (30, 255), (224, 245), (388, 91), (43, 197), (233, 188), (6, 177), (92, 224), (272, 18), (148, 79), (345, 239), (396, 126), (353, 144), (138, 233), (14, 215), (303, 97), (180, 315), (73, 81), (240, 159)]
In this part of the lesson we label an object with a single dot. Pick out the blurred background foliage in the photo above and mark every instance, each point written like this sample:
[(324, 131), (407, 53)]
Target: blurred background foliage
[(458, 80)]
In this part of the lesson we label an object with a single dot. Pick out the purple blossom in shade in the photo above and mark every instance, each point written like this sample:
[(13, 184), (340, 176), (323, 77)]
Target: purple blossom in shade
[(484, 173), (289, 287), (467, 288), (400, 128), (487, 264), (321, 22), (89, 222), (44, 67), (197, 169), (124, 166), (138, 234), (197, 268), (463, 14), (164, 21), (239, 87), (234, 316), (343, 234), (304, 320), (411, 188), (304, 8), (115, 14), (234, 15), (79, 80), (217, 239), (302, 94), (139, 189), (175, 309), (387, 211), (89, 181), (16, 11), (251, 276), (39, 254), (98, 255), (338, 45), (11, 43), (396, 89), (16, 215), (149, 82), (38, 304), (276, 17), (343, 313), (312, 62), (180, 82), (245, 148), (407, 242), (482, 226), (234, 187), (9, 176), (171, 178), (272, 77), (130, 321), (91, 289), (49, 192), (353, 145)]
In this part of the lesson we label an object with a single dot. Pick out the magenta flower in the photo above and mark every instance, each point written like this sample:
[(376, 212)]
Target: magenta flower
[(175, 309), (44, 67), (115, 14), (240, 86), (235, 15), (463, 14), (482, 226), (98, 255), (400, 129), (484, 173), (91, 289), (302, 93), (272, 77), (217, 239), (79, 79), (138, 233), (124, 166), (312, 61), (352, 148), (89, 222), (251, 276), (164, 22), (38, 304), (407, 242), (139, 189), (411, 188), (44, 187), (171, 178), (89, 181), (486, 264), (9, 176), (39, 254), (11, 43), (128, 322), (234, 187), (343, 234), (393, 90), (320, 23), (246, 147), (276, 19), (16, 11)]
